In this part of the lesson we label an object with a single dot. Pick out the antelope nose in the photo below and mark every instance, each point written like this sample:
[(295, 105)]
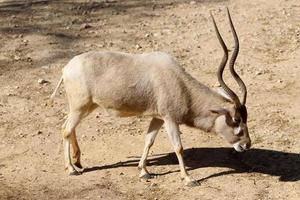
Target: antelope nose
[(248, 145)]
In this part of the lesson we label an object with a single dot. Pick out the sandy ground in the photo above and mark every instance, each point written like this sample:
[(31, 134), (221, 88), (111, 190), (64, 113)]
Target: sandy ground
[(39, 37)]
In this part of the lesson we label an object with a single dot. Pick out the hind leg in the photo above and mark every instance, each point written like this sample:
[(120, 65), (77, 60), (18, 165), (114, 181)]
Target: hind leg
[(67, 132), (153, 129), (76, 150)]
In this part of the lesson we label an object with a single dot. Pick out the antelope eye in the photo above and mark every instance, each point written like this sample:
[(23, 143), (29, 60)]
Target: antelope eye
[(236, 121)]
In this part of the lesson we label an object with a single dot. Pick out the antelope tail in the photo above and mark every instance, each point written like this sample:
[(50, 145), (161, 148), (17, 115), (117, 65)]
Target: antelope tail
[(55, 91)]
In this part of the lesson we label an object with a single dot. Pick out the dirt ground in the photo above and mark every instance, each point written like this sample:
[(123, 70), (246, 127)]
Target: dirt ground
[(39, 37)]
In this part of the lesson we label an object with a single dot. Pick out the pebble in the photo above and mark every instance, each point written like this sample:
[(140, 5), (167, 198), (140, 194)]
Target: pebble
[(153, 185), (85, 26), (258, 73), (42, 81), (138, 46), (39, 132), (17, 57)]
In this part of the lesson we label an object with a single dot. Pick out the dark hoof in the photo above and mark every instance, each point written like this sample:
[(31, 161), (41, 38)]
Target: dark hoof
[(78, 165), (192, 184), (74, 173), (147, 176)]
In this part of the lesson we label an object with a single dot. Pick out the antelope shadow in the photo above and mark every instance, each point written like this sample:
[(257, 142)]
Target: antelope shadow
[(275, 163)]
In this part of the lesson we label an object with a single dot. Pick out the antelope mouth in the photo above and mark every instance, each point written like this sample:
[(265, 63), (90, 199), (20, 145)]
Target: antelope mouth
[(239, 148)]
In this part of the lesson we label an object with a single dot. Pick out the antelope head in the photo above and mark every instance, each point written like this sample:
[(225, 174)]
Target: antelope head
[(232, 123)]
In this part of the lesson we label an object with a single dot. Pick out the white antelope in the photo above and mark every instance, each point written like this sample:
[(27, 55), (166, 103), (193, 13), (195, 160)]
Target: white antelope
[(152, 84)]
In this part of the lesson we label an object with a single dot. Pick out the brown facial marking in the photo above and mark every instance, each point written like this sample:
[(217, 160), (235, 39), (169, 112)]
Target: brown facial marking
[(241, 113)]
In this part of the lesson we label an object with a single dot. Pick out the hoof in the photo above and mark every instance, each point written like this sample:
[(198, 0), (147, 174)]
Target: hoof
[(78, 165), (146, 176), (192, 184), (75, 173)]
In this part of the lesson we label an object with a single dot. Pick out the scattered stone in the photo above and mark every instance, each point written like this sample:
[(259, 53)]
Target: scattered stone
[(138, 47), (39, 132), (193, 2), (280, 50), (258, 73), (147, 35), (85, 26), (279, 81), (28, 59), (153, 185), (17, 58), (42, 81)]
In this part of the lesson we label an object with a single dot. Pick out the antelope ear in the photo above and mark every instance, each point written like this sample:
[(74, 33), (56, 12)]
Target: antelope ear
[(220, 111), (220, 91)]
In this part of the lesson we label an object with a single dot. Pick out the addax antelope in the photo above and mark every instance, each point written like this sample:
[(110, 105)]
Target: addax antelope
[(153, 84)]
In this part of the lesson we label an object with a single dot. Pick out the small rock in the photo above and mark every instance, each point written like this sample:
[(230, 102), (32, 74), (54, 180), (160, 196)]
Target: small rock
[(42, 81), (258, 73), (39, 132), (279, 81), (280, 50), (17, 57), (85, 26), (121, 173), (153, 185), (192, 2), (147, 35), (138, 47)]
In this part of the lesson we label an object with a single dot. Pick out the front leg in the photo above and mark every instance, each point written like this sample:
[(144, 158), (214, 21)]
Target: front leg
[(174, 135)]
